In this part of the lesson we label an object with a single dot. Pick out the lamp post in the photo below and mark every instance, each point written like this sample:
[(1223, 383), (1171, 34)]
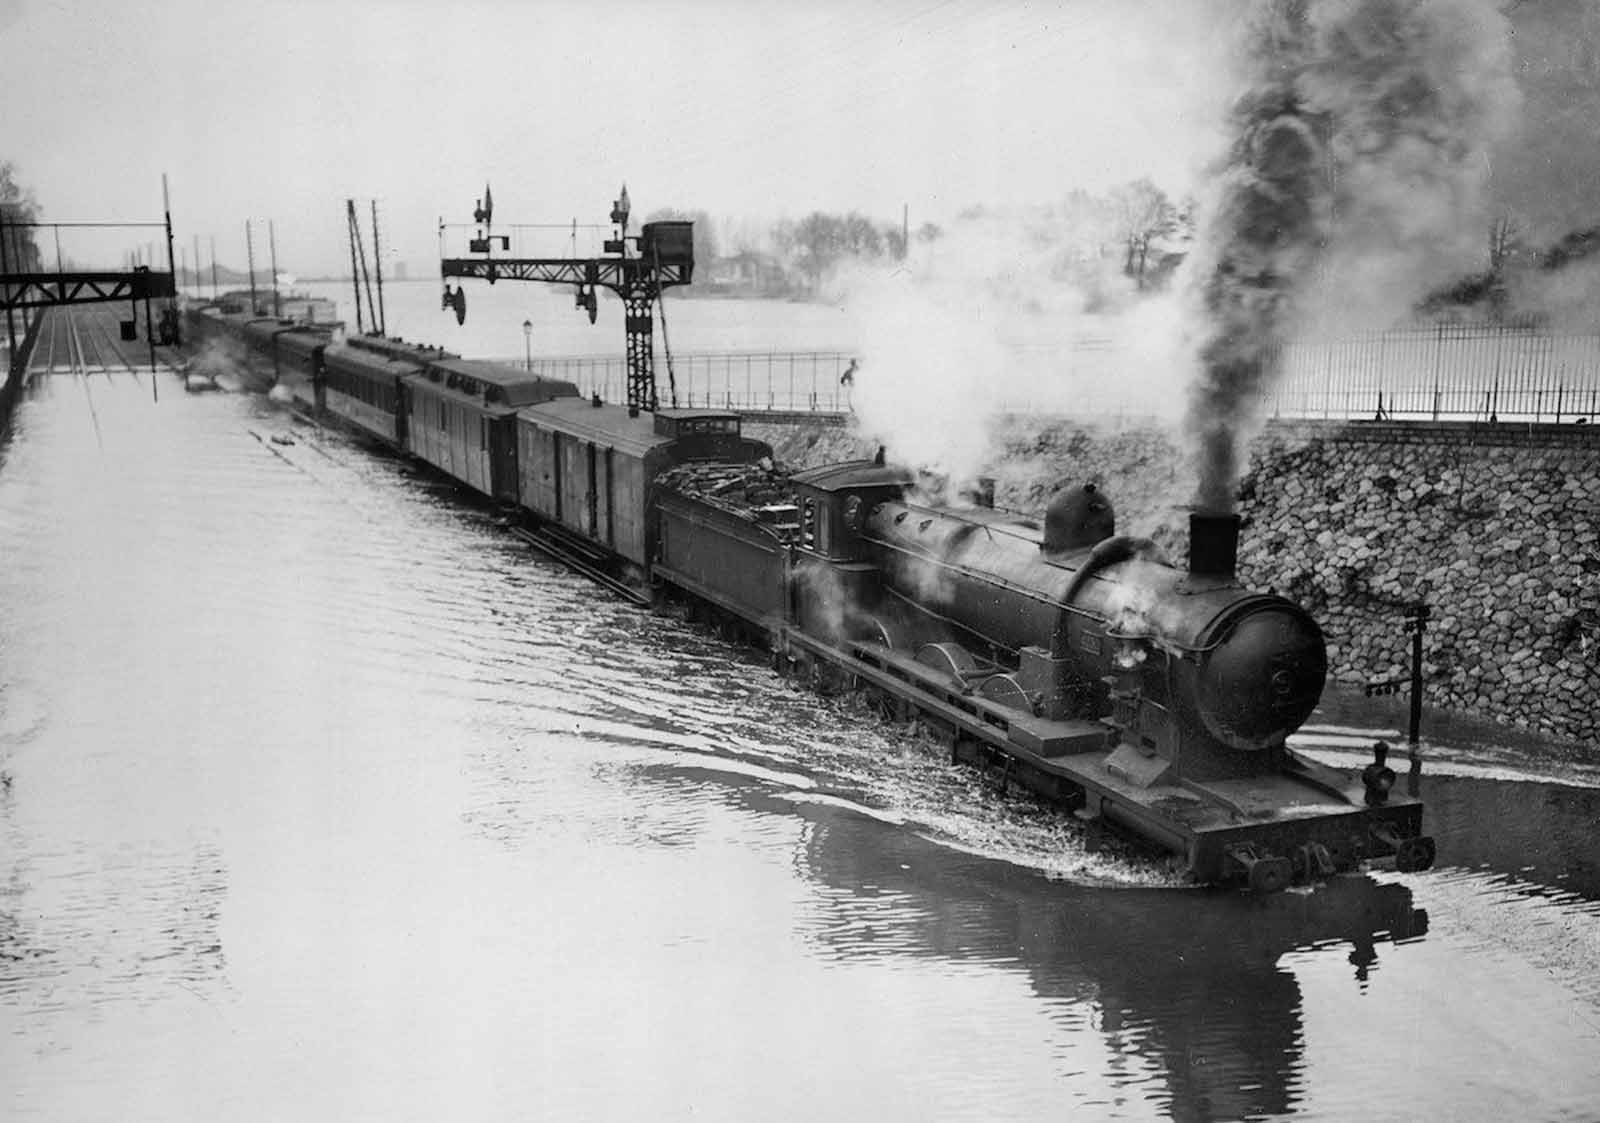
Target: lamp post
[(527, 345)]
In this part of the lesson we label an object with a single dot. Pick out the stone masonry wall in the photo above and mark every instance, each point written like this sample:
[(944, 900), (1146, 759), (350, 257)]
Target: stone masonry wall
[(1497, 528)]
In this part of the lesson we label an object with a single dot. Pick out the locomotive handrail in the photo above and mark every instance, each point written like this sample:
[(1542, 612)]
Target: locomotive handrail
[(956, 516)]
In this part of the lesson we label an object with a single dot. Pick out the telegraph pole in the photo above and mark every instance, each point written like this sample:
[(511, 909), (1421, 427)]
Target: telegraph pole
[(250, 261), (377, 264), (272, 245), (355, 270), (166, 210)]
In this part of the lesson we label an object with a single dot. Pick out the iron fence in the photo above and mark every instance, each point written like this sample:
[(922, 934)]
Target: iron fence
[(1450, 372), (785, 382), (1445, 372)]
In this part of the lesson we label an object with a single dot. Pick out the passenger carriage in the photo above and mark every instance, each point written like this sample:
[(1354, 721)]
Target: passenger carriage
[(365, 390)]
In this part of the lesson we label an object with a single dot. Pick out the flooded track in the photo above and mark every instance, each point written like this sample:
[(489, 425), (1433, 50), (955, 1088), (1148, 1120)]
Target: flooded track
[(323, 798)]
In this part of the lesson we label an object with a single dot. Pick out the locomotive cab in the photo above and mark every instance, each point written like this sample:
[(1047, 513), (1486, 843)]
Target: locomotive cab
[(835, 570)]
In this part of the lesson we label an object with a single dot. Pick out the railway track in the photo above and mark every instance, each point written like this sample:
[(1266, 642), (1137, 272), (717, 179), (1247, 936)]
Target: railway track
[(82, 340), (579, 560)]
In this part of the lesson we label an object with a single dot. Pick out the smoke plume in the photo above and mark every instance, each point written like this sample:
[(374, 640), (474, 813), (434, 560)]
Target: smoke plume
[(1354, 180)]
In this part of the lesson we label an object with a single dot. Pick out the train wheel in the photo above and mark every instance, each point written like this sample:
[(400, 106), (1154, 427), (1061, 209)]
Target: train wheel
[(1005, 690), (1271, 875), (880, 631), (949, 659)]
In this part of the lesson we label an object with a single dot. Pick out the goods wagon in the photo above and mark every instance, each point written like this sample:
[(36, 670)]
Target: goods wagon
[(461, 417)]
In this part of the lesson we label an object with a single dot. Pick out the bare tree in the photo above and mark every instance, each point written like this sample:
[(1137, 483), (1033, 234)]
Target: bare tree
[(1143, 214), (17, 204), (1505, 239), (819, 241)]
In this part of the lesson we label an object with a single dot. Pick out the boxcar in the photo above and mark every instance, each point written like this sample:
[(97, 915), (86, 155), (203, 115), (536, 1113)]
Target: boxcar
[(590, 468), (587, 467), (462, 418)]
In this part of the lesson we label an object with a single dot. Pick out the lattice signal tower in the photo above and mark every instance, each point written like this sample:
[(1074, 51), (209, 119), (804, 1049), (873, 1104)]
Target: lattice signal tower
[(662, 255)]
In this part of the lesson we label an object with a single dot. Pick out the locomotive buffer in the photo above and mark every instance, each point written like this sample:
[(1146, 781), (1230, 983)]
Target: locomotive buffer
[(663, 255)]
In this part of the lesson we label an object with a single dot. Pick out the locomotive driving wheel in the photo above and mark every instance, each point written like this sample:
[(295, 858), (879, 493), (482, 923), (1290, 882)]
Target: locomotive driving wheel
[(879, 631)]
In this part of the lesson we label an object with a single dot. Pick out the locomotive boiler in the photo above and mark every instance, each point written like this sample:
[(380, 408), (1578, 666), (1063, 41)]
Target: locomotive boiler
[(1204, 663)]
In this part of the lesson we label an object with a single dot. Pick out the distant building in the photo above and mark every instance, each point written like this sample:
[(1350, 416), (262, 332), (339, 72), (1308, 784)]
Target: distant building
[(746, 272)]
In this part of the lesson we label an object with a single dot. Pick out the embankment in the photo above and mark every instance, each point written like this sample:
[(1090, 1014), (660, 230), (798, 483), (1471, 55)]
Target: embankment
[(15, 369)]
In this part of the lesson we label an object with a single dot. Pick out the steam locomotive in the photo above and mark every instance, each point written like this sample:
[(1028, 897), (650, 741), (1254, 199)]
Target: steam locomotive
[(1068, 659)]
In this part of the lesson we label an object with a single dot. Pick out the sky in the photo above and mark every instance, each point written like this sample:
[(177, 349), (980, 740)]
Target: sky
[(281, 110)]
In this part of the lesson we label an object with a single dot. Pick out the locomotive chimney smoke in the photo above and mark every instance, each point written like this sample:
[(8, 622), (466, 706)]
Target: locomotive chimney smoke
[(1352, 183), (1213, 543), (1268, 224)]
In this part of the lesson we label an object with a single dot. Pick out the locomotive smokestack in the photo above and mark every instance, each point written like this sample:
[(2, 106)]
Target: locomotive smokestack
[(1213, 543)]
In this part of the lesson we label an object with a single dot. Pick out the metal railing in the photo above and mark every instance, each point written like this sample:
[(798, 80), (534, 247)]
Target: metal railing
[(783, 382), (1445, 372), (1453, 372)]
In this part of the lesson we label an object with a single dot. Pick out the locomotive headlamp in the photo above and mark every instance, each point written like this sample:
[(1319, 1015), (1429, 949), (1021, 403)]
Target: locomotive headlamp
[(1378, 777)]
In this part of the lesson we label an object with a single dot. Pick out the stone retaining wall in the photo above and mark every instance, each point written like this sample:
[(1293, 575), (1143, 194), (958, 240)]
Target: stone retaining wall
[(1497, 528)]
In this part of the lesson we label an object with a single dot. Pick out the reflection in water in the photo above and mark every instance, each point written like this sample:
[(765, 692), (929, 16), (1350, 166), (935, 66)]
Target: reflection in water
[(1190, 978)]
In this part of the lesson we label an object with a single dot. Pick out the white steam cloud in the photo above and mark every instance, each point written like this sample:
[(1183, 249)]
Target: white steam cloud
[(994, 317)]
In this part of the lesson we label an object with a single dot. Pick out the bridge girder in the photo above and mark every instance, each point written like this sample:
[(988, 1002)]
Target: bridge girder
[(51, 290)]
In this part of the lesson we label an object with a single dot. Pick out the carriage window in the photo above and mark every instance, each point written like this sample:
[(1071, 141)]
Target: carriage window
[(808, 523)]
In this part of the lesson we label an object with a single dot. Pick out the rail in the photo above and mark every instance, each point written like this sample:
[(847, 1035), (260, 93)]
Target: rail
[(1443, 372)]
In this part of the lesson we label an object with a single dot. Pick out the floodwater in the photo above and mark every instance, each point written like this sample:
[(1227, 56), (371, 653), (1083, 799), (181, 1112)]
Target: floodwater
[(496, 313), (323, 799)]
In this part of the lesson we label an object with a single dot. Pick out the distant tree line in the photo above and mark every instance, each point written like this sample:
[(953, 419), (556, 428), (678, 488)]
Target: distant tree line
[(18, 205), (1516, 269), (1135, 230)]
